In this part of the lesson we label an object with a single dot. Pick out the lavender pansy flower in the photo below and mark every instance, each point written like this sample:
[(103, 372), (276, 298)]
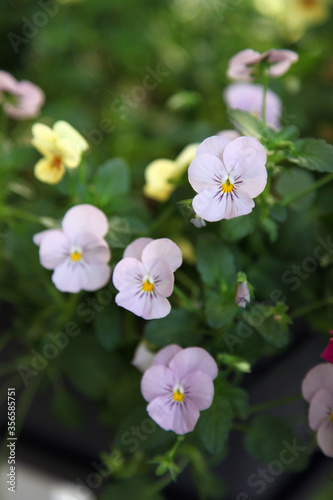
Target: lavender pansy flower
[(317, 389), (29, 98), (77, 253), (227, 175), (242, 294), (242, 64), (178, 386), (249, 97), (144, 277)]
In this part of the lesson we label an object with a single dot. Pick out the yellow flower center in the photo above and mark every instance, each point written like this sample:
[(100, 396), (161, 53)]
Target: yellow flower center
[(147, 286), (75, 256), (227, 187), (178, 396), (308, 4)]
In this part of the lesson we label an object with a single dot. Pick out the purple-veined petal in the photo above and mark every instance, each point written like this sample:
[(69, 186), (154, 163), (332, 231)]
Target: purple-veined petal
[(320, 377), (213, 145), (199, 388), (206, 172), (162, 277), (165, 355), (321, 407), (193, 358), (136, 248), (157, 381), (54, 249), (172, 416), (241, 152), (85, 218), (214, 206), (128, 273), (163, 248), (325, 438), (144, 304)]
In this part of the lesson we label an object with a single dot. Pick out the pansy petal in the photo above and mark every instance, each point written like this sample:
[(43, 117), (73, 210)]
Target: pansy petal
[(94, 248), (325, 439), (143, 357), (157, 381), (193, 358), (44, 139), (165, 355), (7, 82), (199, 388), (243, 151), (73, 277), (321, 407), (177, 417), (54, 249), (214, 145), (214, 206), (136, 248), (280, 61), (162, 277), (85, 218), (163, 248), (186, 156), (238, 69), (48, 171), (320, 377), (205, 172), (37, 238), (70, 154), (65, 131), (144, 304), (128, 273)]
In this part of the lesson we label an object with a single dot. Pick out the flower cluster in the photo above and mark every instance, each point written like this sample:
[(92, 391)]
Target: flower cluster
[(178, 386), (144, 277)]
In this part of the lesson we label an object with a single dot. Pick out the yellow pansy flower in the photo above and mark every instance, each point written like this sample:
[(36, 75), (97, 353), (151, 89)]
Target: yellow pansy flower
[(159, 173), (62, 146)]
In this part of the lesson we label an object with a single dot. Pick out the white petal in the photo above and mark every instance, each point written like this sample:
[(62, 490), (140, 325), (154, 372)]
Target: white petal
[(83, 219), (144, 304), (136, 248), (321, 407), (319, 377), (206, 171), (214, 145), (128, 274), (54, 249), (162, 248)]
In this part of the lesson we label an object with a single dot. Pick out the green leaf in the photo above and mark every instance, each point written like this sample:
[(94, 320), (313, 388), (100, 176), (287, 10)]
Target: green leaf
[(111, 179), (179, 327), (246, 123), (184, 100), (239, 227), (270, 322), (215, 424), (293, 181), (215, 262), (119, 233), (107, 326), (235, 396), (133, 487), (235, 362), (220, 311), (313, 154), (269, 437)]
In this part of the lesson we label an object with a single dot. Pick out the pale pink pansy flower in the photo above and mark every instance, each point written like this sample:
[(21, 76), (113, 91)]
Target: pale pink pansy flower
[(144, 277), (77, 253), (242, 294), (227, 175), (178, 386), (242, 64), (228, 134), (317, 389), (249, 97), (27, 98), (328, 353), (143, 357)]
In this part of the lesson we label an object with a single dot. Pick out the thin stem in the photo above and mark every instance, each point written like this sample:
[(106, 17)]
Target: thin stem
[(316, 185), (275, 403), (302, 311), (162, 218), (173, 450), (20, 214), (185, 300)]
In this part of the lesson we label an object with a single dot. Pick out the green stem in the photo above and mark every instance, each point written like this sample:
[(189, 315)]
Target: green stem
[(316, 185), (162, 218), (275, 403), (302, 311), (20, 214), (185, 300), (173, 450)]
